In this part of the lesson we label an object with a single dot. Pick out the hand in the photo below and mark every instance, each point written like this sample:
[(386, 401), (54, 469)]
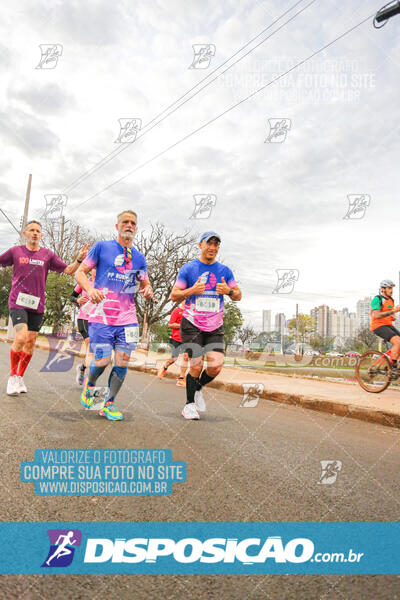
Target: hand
[(147, 292), (198, 287), (223, 287), (83, 252), (95, 296), (82, 300), (396, 308)]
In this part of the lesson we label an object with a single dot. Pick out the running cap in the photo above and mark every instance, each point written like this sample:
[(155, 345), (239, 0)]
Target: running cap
[(387, 283), (207, 235)]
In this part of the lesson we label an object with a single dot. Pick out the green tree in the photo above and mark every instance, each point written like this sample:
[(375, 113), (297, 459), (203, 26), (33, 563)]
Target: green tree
[(364, 340), (58, 290), (247, 334), (233, 320), (160, 331), (321, 342), (5, 288), (305, 327)]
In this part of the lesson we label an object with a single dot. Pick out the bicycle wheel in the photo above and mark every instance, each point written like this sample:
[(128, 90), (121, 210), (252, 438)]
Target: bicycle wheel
[(373, 371)]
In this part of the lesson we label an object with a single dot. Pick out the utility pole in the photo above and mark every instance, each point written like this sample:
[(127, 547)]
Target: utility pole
[(10, 329), (76, 240), (26, 208), (297, 328), (60, 248)]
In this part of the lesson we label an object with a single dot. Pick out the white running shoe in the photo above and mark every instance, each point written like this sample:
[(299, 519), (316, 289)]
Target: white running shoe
[(190, 412), (12, 385), (199, 401), (21, 385)]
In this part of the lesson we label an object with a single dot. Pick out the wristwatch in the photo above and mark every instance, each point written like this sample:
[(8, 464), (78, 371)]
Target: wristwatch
[(230, 292)]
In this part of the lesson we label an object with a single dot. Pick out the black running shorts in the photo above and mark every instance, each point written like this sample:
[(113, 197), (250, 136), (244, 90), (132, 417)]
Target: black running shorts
[(32, 319), (83, 328), (197, 342)]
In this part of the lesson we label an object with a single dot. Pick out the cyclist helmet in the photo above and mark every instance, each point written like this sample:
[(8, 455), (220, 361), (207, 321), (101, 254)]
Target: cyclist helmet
[(386, 283)]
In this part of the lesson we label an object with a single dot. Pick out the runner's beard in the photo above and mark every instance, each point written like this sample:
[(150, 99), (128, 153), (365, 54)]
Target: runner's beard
[(127, 235)]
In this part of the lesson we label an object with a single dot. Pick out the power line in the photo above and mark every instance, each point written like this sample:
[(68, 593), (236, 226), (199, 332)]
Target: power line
[(9, 220), (109, 157), (224, 112)]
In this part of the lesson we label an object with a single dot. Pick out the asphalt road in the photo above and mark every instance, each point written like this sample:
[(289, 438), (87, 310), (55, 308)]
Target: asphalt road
[(243, 464)]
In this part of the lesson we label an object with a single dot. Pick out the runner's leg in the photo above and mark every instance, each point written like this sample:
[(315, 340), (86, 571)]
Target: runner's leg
[(192, 378)]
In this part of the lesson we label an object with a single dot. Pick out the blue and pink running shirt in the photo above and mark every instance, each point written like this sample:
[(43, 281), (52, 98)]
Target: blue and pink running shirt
[(117, 279), (205, 311)]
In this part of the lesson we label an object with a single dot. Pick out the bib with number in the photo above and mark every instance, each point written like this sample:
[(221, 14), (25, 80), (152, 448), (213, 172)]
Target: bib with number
[(28, 301), (206, 304), (131, 335)]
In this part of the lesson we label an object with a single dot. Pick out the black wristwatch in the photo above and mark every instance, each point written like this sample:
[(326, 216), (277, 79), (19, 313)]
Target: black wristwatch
[(231, 292), (79, 261)]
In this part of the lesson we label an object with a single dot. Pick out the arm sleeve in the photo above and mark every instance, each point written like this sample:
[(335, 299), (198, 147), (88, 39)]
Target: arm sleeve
[(93, 257), (182, 281), (56, 264), (229, 278), (73, 297), (376, 304), (7, 258)]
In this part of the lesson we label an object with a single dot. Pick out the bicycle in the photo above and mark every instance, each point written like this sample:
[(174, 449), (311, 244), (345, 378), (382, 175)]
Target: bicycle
[(373, 371)]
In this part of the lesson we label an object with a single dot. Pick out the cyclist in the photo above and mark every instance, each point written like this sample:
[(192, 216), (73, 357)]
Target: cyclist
[(382, 317)]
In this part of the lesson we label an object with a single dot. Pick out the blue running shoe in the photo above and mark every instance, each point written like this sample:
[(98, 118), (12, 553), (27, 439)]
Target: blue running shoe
[(87, 395), (111, 413)]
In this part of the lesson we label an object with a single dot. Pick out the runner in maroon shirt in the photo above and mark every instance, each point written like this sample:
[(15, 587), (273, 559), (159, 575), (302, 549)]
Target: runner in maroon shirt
[(26, 302), (175, 342)]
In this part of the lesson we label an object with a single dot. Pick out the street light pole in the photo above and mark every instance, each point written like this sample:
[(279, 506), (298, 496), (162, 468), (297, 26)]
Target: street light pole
[(10, 328)]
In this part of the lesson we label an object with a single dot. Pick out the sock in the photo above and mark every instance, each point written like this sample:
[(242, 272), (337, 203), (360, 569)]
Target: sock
[(14, 360), (115, 381), (205, 378), (94, 373), (192, 385), (23, 363)]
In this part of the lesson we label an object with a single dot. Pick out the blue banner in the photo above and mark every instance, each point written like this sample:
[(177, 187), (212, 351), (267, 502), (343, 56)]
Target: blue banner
[(194, 548)]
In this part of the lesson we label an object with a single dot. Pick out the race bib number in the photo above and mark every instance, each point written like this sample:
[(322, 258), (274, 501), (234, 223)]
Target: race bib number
[(132, 335), (206, 304), (28, 301)]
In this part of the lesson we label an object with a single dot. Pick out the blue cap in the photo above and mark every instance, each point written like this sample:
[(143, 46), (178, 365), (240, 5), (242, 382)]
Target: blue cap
[(207, 235)]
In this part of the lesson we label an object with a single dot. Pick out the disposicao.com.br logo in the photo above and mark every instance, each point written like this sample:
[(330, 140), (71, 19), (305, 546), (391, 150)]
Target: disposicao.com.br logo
[(62, 547), (213, 550)]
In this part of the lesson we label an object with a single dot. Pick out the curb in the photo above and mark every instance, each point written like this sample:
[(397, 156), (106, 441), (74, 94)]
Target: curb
[(361, 413)]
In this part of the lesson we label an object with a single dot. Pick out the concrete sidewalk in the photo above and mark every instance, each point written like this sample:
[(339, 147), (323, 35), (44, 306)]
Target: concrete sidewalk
[(344, 399)]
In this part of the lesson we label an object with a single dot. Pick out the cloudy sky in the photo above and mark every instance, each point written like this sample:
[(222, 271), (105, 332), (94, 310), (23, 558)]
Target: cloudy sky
[(278, 205)]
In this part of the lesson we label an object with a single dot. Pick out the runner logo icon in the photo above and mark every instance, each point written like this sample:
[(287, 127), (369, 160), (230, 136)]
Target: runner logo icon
[(62, 547)]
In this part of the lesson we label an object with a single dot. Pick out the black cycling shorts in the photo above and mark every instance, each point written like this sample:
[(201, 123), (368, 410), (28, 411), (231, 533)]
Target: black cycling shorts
[(32, 319), (386, 332), (197, 342), (176, 348), (83, 328)]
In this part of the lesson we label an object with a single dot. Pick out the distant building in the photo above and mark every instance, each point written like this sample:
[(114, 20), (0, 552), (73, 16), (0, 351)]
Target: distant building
[(363, 312), (266, 320), (280, 322), (342, 325), (320, 314)]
